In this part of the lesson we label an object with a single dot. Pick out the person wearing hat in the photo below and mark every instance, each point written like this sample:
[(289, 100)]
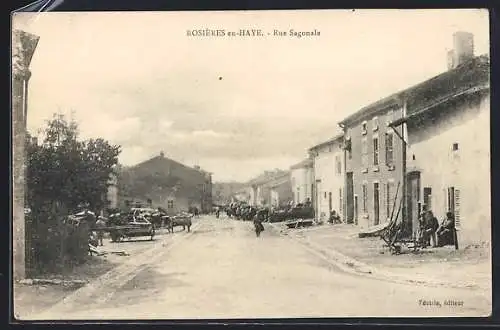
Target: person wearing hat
[(431, 226)]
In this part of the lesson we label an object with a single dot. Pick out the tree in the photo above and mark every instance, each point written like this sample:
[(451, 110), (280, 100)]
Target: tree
[(63, 172), (64, 169)]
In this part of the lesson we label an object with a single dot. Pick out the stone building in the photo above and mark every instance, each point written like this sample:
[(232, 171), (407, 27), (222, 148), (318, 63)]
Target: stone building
[(259, 190), (280, 190), (424, 142), (163, 182), (448, 145)]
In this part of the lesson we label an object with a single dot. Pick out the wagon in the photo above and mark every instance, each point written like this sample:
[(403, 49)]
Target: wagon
[(137, 227)]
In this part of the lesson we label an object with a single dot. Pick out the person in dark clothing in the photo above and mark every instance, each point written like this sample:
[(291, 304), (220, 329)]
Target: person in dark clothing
[(431, 226), (446, 232)]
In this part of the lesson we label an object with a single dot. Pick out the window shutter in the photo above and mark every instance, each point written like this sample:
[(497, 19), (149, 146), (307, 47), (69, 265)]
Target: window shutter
[(457, 208)]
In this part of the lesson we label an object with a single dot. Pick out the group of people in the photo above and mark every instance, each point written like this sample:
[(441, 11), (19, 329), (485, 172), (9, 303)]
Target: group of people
[(430, 231)]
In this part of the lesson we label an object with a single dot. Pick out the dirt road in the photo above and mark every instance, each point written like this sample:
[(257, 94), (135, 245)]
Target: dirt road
[(222, 270)]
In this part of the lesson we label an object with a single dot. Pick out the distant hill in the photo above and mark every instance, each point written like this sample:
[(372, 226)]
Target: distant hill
[(222, 191)]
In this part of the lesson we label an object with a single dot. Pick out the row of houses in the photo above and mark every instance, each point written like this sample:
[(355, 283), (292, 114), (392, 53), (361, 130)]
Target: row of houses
[(271, 188), (427, 146)]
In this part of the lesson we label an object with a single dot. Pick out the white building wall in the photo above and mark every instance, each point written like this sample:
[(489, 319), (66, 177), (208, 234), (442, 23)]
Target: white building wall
[(466, 169), (301, 184), (331, 183)]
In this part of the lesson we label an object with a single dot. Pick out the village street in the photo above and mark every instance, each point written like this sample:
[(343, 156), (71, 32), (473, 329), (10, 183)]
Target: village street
[(222, 270)]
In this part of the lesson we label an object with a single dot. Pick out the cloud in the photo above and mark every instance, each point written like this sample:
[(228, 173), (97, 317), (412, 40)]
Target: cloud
[(137, 80)]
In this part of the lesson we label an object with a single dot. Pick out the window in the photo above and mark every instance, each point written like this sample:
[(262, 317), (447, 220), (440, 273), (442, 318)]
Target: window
[(365, 198), (324, 194), (375, 124), (364, 153), (348, 146), (428, 198), (170, 204), (338, 165), (375, 151), (363, 128), (455, 147), (389, 149), (376, 203), (389, 117)]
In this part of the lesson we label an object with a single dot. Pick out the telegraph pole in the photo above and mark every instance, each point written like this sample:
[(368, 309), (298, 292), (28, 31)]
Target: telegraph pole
[(23, 48)]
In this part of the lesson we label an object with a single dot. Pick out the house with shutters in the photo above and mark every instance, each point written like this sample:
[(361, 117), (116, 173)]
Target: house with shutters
[(416, 150)]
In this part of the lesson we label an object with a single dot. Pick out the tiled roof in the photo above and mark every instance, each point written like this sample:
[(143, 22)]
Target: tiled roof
[(471, 73), (336, 138), (267, 176), (304, 163)]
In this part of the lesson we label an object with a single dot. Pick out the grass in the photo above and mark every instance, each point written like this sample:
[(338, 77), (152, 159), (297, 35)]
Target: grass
[(32, 299)]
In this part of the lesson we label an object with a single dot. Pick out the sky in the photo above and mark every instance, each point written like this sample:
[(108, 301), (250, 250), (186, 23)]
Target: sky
[(234, 106)]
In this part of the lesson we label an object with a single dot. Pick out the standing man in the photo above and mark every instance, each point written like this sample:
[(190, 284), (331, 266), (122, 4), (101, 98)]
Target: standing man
[(431, 227), (100, 225)]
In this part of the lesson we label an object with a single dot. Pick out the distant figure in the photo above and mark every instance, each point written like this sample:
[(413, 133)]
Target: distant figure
[(217, 212), (100, 225)]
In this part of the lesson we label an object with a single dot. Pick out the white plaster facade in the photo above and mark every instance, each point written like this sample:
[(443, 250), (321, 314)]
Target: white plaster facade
[(328, 169), (454, 152), (302, 180)]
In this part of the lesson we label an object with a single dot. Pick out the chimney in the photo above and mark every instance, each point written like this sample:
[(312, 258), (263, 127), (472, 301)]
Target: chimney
[(463, 49), (162, 154)]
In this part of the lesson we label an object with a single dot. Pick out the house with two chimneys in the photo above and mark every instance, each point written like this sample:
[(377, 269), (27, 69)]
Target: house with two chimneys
[(426, 147)]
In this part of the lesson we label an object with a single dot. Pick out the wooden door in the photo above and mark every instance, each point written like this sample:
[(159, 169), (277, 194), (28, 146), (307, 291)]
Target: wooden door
[(413, 199), (349, 198)]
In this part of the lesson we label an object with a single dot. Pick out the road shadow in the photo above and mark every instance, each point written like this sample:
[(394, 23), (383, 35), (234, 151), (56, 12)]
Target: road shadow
[(215, 229), (147, 284)]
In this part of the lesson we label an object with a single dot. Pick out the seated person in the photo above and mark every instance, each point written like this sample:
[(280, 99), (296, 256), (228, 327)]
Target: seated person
[(334, 217), (446, 232)]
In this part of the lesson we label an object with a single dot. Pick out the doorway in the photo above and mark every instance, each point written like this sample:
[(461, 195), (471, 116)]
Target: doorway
[(376, 203), (318, 200), (356, 211), (350, 198), (413, 200), (329, 203)]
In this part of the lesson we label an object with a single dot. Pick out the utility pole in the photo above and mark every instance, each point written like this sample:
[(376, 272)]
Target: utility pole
[(23, 48)]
